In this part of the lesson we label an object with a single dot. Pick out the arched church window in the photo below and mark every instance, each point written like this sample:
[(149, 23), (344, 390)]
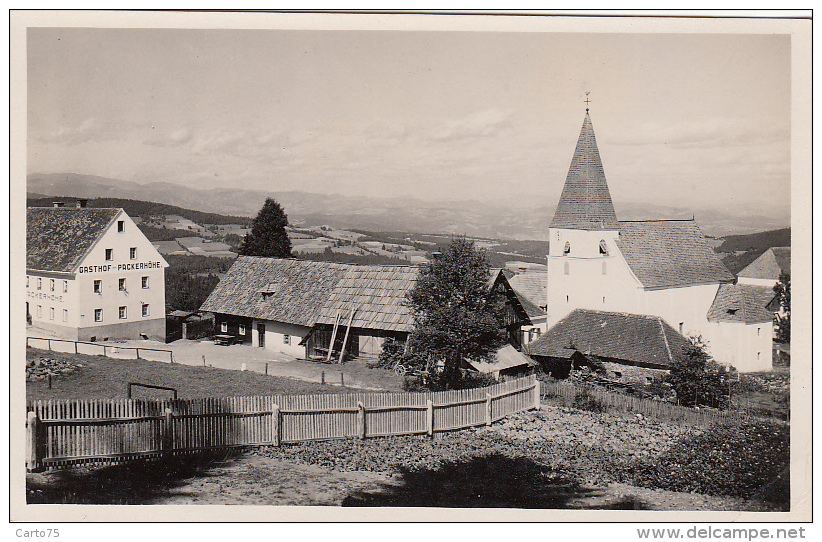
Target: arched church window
[(567, 248), (603, 248), (567, 268)]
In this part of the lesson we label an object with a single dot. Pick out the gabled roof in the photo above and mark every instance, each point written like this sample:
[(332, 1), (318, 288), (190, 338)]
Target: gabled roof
[(57, 238), (308, 293), (769, 265), (378, 295), (742, 303), (303, 289), (585, 202), (532, 286), (506, 357), (670, 253), (631, 338)]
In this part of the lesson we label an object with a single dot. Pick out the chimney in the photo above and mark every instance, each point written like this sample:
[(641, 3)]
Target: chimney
[(58, 203), (82, 203)]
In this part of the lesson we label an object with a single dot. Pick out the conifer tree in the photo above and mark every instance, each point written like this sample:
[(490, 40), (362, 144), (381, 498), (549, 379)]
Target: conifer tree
[(783, 317), (268, 237), (456, 315)]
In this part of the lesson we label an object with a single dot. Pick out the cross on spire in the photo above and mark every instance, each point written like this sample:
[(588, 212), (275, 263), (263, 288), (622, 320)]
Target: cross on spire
[(587, 101)]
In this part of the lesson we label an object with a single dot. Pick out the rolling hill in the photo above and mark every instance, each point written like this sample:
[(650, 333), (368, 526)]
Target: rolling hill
[(507, 218)]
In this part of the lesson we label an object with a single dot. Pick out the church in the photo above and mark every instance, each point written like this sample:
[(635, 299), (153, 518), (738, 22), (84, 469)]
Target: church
[(608, 275)]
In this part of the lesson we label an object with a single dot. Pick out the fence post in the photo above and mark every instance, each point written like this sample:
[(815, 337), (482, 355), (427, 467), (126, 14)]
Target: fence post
[(49, 342), (168, 433), (342, 379), (487, 409), (360, 419), (537, 392), (275, 425), (429, 417), (138, 352), (32, 427), (75, 347), (104, 351)]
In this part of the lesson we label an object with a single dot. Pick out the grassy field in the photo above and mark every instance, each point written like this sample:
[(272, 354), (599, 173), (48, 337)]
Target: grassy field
[(106, 378)]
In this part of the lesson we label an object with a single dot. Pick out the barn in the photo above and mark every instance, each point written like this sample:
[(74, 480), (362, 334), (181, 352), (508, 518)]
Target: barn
[(301, 308)]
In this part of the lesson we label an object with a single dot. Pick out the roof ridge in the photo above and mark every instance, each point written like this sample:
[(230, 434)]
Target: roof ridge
[(660, 220)]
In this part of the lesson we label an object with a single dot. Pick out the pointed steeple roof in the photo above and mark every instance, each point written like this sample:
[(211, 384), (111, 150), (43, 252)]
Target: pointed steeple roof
[(585, 203)]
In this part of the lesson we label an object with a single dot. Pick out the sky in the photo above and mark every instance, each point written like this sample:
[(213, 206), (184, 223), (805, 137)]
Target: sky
[(693, 120)]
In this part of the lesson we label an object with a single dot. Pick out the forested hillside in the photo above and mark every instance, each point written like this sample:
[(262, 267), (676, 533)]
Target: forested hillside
[(147, 208), (738, 251)]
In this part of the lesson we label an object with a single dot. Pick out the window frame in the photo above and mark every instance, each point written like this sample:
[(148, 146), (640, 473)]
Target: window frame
[(223, 327), (121, 226), (98, 315), (65, 286), (51, 313), (121, 284), (39, 283), (65, 315), (132, 253), (144, 282), (122, 312), (287, 339), (109, 255), (241, 329), (51, 285), (96, 283), (39, 311), (145, 310)]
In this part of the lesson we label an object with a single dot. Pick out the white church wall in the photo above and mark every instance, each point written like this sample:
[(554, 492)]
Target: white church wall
[(586, 279), (685, 309), (747, 347)]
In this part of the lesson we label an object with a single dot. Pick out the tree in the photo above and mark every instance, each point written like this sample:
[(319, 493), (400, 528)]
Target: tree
[(456, 315), (268, 236), (697, 379), (783, 317)]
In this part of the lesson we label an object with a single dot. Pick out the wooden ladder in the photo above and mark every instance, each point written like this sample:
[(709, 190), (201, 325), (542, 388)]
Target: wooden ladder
[(333, 337), (347, 331)]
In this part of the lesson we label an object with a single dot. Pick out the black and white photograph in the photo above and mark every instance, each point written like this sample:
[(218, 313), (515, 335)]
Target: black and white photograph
[(410, 267)]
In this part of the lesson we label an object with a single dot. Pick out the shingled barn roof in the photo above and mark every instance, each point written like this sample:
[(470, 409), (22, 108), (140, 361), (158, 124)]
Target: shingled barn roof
[(57, 238), (633, 338), (308, 293), (532, 286), (302, 289), (769, 265), (670, 253), (378, 295), (742, 303), (585, 202)]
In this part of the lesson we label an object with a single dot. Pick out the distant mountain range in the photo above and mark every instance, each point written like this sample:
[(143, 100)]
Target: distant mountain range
[(504, 220)]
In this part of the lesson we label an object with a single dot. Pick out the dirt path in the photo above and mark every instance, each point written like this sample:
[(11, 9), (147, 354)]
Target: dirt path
[(253, 479), (355, 374)]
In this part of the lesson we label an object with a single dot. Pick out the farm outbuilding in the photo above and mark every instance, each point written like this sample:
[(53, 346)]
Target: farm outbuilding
[(306, 308), (627, 347)]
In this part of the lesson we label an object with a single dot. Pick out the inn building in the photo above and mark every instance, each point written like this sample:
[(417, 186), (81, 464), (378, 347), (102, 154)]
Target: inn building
[(92, 275)]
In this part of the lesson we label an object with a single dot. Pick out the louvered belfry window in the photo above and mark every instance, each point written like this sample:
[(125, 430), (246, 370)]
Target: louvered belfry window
[(567, 249)]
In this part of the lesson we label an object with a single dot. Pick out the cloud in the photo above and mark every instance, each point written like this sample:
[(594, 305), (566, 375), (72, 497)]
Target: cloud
[(479, 124), (90, 129), (709, 132)]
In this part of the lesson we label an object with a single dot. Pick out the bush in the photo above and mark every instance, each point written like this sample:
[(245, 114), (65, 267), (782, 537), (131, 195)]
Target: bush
[(585, 401)]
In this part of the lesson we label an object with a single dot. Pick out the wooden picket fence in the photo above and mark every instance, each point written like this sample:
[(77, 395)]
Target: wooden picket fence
[(62, 433), (566, 391)]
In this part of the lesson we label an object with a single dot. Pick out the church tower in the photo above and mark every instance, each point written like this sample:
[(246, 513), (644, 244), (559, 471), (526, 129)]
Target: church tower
[(583, 234)]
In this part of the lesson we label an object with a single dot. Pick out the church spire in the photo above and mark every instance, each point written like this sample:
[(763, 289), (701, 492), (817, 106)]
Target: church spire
[(585, 203)]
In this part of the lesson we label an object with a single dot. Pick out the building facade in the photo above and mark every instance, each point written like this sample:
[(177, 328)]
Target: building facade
[(660, 268), (91, 274)]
